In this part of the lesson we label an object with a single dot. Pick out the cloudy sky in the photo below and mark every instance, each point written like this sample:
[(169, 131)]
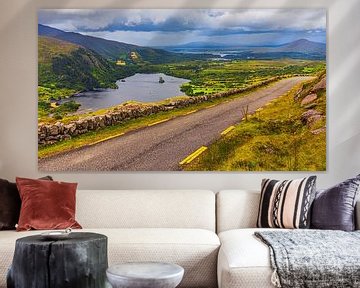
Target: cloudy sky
[(168, 27)]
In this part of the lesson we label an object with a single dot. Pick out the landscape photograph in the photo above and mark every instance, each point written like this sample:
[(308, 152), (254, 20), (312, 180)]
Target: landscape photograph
[(181, 90)]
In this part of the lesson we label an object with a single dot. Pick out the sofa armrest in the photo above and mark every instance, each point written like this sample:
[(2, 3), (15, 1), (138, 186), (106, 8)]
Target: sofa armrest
[(357, 215)]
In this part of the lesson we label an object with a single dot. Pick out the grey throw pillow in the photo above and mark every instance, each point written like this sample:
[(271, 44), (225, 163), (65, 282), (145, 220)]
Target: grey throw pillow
[(334, 208)]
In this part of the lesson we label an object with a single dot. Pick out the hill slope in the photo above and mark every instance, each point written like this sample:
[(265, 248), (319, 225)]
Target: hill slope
[(65, 69), (65, 65), (114, 50)]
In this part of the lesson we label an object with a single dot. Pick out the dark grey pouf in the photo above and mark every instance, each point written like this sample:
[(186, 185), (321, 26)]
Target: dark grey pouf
[(79, 261)]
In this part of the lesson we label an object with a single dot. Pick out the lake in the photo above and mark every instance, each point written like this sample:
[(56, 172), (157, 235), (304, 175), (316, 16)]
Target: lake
[(139, 87)]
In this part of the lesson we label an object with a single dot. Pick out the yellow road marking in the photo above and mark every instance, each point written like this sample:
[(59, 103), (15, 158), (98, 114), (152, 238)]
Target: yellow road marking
[(227, 130), (193, 111), (105, 139), (158, 122), (193, 155), (210, 106)]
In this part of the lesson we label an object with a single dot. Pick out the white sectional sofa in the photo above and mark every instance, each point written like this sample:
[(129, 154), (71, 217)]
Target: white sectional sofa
[(177, 226), (243, 260), (172, 226)]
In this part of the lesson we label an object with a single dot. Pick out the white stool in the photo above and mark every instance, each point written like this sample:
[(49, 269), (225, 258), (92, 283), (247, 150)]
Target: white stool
[(145, 275)]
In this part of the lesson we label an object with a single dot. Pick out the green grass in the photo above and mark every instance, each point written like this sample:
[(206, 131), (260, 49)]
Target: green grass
[(208, 77), (127, 126), (272, 139), (49, 48)]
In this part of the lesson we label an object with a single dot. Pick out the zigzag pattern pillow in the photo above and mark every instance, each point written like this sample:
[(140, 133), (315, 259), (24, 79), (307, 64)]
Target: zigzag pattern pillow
[(286, 204)]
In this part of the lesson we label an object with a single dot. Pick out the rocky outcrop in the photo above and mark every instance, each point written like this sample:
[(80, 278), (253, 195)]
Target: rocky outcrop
[(308, 99), (52, 133), (318, 131), (320, 85), (311, 117)]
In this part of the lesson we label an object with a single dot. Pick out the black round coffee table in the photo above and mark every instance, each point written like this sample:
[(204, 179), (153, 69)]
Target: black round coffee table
[(78, 261)]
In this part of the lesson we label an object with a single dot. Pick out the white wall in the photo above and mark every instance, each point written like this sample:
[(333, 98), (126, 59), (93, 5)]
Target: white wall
[(18, 105)]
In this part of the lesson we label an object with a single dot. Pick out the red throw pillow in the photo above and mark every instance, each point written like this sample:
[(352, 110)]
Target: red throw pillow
[(46, 204), (10, 204)]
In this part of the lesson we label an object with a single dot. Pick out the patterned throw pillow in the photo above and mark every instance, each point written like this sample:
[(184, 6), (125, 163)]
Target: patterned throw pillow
[(286, 204)]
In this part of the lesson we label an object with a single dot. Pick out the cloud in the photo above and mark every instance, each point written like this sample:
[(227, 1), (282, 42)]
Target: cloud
[(149, 38), (153, 39), (183, 19), (158, 27)]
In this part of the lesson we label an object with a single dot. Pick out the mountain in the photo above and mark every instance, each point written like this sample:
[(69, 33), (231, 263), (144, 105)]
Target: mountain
[(299, 49), (67, 65), (302, 46), (106, 48), (114, 50)]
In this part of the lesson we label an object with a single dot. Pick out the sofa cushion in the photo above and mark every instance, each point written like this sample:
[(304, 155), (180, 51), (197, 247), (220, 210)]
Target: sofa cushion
[(146, 209), (286, 204), (244, 261), (334, 208), (194, 249), (10, 204), (46, 204)]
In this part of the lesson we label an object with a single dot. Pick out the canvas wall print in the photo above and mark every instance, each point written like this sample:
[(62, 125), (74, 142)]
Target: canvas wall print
[(182, 90)]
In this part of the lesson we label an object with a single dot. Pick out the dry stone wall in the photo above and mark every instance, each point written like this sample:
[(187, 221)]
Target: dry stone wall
[(52, 133)]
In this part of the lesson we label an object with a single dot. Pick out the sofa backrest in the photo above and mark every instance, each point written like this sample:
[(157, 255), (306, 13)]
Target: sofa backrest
[(239, 209), (236, 209), (146, 209)]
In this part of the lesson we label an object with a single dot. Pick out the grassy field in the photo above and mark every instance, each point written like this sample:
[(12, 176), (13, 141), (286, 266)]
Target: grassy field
[(209, 77), (274, 138)]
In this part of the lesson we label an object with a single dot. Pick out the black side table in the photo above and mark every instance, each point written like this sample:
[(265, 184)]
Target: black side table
[(78, 261)]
